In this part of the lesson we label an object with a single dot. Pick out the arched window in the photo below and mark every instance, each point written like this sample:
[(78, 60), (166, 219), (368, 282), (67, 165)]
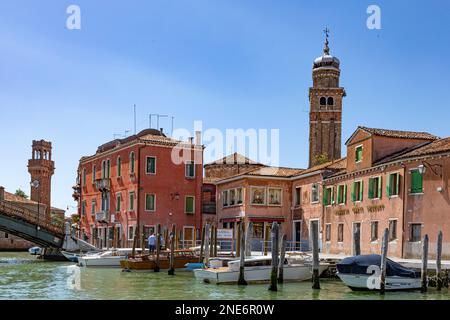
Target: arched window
[(330, 101), (323, 101), (132, 163)]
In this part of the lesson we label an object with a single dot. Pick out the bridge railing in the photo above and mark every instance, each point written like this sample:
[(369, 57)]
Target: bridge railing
[(31, 216)]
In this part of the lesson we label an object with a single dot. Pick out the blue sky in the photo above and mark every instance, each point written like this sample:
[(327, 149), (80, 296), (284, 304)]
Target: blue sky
[(232, 64)]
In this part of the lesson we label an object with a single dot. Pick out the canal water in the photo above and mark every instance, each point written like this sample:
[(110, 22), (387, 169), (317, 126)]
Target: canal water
[(24, 277)]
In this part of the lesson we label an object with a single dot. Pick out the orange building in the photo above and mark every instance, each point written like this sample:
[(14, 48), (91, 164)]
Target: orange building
[(134, 183)]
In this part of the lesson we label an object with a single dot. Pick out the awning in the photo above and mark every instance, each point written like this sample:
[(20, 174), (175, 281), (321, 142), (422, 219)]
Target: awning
[(266, 219), (234, 219)]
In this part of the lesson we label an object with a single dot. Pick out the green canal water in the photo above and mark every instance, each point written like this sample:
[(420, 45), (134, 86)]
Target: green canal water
[(24, 277)]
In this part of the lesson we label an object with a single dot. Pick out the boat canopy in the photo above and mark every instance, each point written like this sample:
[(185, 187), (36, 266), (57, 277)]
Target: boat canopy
[(359, 265)]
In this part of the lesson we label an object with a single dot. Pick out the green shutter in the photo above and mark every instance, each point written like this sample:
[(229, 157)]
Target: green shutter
[(325, 196), (371, 187), (361, 191), (190, 205), (416, 182), (332, 195), (354, 191), (389, 185), (345, 194), (397, 187), (380, 187)]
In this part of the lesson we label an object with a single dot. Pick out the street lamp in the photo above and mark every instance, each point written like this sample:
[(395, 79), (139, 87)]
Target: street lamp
[(35, 184)]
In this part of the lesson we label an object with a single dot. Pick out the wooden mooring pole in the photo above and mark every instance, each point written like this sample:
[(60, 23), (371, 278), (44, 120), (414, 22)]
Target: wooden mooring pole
[(282, 257), (215, 242), (172, 251), (425, 264), (384, 252), (207, 244), (248, 239), (241, 280), (316, 262), (266, 241), (142, 240), (439, 261), (202, 246), (275, 238), (158, 247), (238, 241)]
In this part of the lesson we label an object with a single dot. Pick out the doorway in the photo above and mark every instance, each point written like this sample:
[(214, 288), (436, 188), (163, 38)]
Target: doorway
[(297, 234), (356, 237)]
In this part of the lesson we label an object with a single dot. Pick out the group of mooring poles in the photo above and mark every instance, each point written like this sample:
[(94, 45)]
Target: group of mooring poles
[(424, 269), (208, 247)]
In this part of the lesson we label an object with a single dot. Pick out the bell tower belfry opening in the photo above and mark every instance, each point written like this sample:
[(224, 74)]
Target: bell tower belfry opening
[(325, 97)]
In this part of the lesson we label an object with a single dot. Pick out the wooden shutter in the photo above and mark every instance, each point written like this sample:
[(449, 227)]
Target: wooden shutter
[(354, 191), (345, 194), (361, 191)]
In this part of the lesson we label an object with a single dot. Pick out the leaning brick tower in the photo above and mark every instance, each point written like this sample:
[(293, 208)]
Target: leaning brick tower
[(41, 168)]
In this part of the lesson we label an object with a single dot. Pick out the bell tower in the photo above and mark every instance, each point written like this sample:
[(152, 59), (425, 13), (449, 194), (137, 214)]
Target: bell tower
[(325, 117), (41, 168)]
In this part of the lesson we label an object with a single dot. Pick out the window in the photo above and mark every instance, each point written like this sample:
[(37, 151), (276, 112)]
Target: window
[(225, 198), (93, 207), (119, 167), (357, 191), (416, 232), (342, 194), (393, 185), (323, 101), (341, 232), (315, 193), (150, 202), (359, 153), (258, 196), (416, 181), (132, 163), (392, 230), (94, 173), (374, 231), (298, 196), (275, 195), (131, 231), (232, 194), (105, 201), (258, 230), (132, 201), (83, 208), (328, 196), (151, 165), (84, 176), (118, 202), (239, 195), (328, 232), (190, 205), (330, 101), (375, 186), (106, 169), (190, 169)]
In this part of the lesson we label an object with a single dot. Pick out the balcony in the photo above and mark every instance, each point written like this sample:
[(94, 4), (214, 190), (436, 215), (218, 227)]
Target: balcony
[(209, 207), (102, 217), (103, 184)]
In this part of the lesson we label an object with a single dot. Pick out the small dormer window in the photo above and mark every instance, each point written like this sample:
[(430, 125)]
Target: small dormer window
[(323, 101), (358, 154), (330, 101)]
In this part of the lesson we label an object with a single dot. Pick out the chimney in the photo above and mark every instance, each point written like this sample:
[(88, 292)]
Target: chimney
[(191, 140), (2, 193), (198, 138), (162, 130)]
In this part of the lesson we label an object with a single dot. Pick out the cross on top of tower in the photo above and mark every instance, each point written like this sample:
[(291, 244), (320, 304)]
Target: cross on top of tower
[(326, 49)]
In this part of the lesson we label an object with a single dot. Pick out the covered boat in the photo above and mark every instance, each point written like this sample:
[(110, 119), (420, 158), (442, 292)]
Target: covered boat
[(363, 273), (182, 259)]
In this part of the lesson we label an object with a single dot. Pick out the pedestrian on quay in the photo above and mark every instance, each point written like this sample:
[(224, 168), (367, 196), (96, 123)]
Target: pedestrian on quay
[(152, 243)]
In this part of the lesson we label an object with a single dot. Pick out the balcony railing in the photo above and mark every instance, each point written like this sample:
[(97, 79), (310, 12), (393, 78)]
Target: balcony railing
[(209, 207), (103, 184), (102, 216)]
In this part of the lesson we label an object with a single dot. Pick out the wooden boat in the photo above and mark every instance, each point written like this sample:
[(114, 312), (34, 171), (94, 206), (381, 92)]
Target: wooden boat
[(256, 270), (358, 274), (148, 262)]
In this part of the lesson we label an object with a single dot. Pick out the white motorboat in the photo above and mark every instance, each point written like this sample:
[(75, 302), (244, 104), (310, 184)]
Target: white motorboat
[(363, 273), (109, 258), (35, 251), (257, 269)]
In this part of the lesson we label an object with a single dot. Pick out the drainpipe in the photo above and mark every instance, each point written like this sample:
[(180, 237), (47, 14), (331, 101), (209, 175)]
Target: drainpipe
[(405, 201)]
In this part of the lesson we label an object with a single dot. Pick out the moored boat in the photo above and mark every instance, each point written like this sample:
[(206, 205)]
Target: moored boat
[(257, 269), (109, 258), (362, 273), (35, 251), (182, 259)]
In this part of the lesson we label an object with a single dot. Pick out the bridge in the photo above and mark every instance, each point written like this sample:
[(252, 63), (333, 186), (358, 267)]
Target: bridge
[(30, 225)]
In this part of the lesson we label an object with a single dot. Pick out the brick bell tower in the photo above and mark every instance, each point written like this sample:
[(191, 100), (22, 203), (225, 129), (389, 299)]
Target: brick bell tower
[(41, 168), (325, 115)]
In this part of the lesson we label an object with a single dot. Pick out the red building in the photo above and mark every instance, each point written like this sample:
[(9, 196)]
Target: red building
[(139, 182)]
